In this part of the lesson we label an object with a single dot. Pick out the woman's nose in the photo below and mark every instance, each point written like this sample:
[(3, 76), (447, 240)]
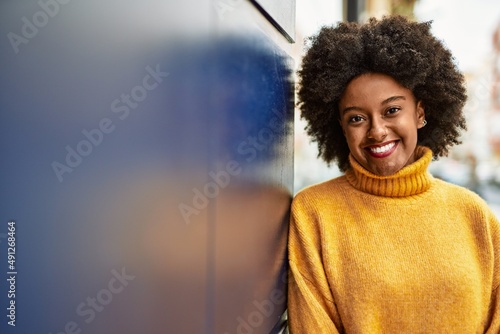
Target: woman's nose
[(377, 130)]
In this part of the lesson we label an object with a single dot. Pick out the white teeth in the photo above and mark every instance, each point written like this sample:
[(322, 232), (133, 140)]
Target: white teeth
[(382, 149)]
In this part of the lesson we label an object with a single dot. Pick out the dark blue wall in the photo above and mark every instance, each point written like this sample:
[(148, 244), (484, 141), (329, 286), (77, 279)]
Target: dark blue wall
[(147, 161)]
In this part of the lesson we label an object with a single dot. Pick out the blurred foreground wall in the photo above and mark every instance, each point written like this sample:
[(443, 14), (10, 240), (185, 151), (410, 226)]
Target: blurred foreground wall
[(147, 165)]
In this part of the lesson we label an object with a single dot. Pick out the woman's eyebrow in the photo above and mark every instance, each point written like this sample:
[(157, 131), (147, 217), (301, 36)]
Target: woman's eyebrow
[(386, 101), (392, 99), (346, 109)]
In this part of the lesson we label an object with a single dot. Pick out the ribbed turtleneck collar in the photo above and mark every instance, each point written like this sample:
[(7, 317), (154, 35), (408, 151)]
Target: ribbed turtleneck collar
[(410, 180)]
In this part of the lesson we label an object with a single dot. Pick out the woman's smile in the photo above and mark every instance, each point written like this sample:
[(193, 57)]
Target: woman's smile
[(382, 150)]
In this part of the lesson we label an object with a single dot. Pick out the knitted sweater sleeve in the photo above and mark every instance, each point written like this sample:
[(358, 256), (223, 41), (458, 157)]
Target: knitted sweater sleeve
[(494, 308), (311, 308)]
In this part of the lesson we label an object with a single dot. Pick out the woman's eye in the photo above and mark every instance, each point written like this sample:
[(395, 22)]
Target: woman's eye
[(355, 119), (392, 110)]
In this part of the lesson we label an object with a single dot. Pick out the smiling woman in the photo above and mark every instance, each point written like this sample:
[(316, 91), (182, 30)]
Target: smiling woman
[(380, 118), (387, 248)]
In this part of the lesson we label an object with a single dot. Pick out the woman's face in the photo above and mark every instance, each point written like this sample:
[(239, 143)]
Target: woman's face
[(380, 119)]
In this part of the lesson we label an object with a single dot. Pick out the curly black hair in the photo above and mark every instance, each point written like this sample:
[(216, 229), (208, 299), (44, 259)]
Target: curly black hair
[(395, 46)]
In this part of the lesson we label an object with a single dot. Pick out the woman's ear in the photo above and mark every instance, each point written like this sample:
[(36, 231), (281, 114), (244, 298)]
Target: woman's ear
[(421, 122)]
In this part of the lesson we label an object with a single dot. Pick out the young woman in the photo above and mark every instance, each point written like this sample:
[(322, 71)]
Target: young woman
[(387, 248)]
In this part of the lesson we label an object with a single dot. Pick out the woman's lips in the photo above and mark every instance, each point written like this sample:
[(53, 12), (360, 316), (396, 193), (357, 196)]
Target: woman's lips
[(382, 151)]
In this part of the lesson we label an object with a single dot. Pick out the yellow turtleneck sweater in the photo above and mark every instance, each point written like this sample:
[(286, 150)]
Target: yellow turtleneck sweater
[(405, 253)]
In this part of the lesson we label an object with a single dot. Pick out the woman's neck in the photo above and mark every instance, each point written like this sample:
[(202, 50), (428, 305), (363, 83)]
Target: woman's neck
[(410, 180)]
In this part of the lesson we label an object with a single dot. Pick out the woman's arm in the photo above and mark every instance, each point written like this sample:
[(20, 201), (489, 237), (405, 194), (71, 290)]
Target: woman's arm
[(311, 308), (494, 308)]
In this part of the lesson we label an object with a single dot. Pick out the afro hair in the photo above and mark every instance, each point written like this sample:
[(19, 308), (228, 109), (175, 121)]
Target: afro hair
[(395, 46)]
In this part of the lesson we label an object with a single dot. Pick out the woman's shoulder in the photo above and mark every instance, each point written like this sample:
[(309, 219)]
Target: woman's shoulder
[(454, 194), (454, 191), (324, 190)]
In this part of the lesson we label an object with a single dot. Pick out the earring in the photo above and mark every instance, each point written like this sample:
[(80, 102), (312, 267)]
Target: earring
[(424, 123)]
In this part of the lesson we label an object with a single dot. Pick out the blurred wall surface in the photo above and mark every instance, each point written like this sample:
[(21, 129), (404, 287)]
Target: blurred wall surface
[(147, 165)]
